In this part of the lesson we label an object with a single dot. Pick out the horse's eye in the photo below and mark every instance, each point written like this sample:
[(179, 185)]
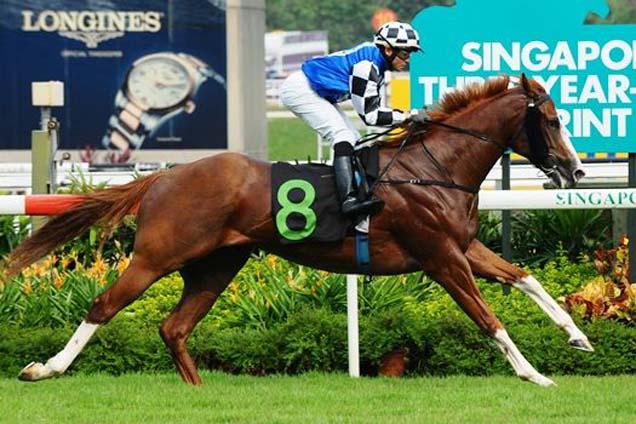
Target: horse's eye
[(555, 124)]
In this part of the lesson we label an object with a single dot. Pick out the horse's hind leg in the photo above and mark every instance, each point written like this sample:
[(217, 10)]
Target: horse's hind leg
[(452, 270), (204, 281), (131, 284), (487, 264)]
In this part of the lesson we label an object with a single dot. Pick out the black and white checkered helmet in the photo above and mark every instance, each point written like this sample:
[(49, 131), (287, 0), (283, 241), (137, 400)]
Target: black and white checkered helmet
[(397, 35)]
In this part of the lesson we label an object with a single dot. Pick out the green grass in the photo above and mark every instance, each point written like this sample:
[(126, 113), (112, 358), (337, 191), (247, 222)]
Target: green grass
[(290, 139), (316, 398)]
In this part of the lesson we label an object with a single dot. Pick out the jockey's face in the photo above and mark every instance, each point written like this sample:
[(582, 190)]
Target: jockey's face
[(401, 60)]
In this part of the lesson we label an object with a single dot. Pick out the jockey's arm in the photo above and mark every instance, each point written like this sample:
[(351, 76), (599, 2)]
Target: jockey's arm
[(364, 86)]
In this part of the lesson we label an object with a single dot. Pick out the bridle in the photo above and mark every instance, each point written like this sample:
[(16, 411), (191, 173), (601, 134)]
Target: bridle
[(539, 151), (538, 146)]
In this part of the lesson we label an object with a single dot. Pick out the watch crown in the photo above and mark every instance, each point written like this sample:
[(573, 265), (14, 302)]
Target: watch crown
[(189, 106)]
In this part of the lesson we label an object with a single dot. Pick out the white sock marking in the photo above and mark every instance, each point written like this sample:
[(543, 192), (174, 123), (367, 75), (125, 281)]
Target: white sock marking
[(522, 367), (60, 362), (530, 286)]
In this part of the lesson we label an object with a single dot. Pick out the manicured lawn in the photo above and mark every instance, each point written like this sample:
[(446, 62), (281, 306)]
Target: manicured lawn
[(316, 398), (290, 139)]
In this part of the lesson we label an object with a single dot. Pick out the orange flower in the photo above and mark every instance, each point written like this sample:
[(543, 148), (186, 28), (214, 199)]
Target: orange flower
[(122, 265), (272, 261), (58, 280), (99, 268), (64, 263)]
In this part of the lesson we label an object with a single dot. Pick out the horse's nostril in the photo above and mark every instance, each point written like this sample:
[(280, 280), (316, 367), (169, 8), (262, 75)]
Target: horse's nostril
[(578, 174)]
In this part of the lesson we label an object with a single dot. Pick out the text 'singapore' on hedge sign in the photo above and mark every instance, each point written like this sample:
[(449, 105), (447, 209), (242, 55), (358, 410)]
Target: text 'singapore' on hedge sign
[(589, 70), (607, 198), (557, 199)]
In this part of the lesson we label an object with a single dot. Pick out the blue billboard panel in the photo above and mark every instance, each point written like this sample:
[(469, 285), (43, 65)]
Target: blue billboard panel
[(138, 74), (589, 70)]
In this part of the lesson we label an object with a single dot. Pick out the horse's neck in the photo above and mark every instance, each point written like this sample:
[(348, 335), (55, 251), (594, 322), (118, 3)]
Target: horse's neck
[(467, 158)]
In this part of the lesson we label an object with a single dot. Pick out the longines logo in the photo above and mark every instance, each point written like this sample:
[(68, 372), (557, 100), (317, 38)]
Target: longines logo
[(91, 27)]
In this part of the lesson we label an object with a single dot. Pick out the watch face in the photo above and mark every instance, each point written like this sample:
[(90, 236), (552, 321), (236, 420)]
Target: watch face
[(159, 83)]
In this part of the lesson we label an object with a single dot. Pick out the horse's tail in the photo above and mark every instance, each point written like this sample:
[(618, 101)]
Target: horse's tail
[(104, 207)]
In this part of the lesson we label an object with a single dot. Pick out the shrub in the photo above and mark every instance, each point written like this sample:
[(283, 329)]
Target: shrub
[(21, 345), (13, 229), (610, 295), (386, 331), (316, 340), (537, 234), (489, 232), (125, 345), (454, 345), (56, 291), (237, 350), (312, 339), (270, 290), (282, 317)]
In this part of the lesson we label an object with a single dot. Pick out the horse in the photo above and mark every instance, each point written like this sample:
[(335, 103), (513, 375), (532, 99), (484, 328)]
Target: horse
[(204, 219)]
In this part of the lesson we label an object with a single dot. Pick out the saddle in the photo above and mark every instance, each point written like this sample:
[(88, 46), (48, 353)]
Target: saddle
[(305, 206)]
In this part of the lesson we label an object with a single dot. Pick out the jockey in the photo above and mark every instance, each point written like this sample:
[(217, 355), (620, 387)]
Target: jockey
[(357, 74)]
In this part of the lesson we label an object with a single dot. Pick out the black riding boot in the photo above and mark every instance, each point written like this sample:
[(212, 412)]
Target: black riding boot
[(343, 169)]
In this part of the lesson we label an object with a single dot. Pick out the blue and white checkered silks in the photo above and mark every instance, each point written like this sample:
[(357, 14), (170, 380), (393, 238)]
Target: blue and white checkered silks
[(364, 81)]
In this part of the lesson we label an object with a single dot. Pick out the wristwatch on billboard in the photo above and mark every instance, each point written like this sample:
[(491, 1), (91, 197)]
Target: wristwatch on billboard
[(157, 87)]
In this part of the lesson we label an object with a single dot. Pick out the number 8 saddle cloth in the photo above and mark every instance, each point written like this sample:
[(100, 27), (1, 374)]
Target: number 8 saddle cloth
[(305, 206)]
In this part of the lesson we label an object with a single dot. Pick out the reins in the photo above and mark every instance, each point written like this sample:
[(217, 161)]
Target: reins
[(426, 182), (533, 107), (466, 131)]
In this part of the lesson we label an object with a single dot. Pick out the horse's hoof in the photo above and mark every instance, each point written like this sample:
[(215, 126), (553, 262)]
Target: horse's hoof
[(582, 344), (34, 371), (541, 380)]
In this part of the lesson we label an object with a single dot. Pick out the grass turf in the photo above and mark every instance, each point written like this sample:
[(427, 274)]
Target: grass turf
[(290, 139), (316, 398)]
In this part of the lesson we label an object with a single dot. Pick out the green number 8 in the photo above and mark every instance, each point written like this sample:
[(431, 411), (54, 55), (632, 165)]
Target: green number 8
[(289, 207)]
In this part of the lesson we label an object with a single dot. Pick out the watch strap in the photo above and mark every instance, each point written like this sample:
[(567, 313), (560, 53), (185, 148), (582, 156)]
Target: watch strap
[(204, 69), (129, 125)]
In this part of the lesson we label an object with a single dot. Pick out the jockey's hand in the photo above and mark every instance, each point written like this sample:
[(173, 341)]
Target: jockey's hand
[(419, 115)]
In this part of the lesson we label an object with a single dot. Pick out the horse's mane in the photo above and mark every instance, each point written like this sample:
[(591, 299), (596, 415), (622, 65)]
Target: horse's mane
[(458, 100)]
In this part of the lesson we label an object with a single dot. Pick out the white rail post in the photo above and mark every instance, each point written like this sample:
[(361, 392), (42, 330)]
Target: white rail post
[(45, 95), (352, 325)]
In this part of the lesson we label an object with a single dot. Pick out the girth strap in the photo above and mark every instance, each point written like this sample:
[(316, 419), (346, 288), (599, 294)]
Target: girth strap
[(363, 259)]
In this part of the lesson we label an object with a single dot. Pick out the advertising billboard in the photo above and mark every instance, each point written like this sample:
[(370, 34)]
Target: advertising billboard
[(587, 69), (144, 75)]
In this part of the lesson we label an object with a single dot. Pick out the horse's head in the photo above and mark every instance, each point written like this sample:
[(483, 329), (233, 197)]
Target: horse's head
[(543, 140)]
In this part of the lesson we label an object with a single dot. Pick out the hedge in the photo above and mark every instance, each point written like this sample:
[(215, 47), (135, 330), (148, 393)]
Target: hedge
[(315, 339)]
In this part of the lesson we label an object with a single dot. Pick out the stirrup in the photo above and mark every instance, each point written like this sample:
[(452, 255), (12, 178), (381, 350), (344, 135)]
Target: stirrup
[(352, 206)]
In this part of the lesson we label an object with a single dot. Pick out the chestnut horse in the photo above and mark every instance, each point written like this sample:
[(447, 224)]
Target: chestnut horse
[(204, 219)]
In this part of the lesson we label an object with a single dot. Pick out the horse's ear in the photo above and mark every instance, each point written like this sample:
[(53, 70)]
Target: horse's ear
[(525, 83)]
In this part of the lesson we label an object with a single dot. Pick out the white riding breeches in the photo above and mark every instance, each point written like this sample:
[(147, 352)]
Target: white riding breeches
[(324, 117)]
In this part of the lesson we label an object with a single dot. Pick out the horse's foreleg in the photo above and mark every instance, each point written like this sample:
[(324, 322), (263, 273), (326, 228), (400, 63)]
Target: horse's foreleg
[(454, 274), (487, 264), (130, 285), (60, 362), (204, 281)]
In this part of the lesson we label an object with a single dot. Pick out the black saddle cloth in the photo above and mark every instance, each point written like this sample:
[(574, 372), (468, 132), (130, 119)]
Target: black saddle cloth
[(305, 206)]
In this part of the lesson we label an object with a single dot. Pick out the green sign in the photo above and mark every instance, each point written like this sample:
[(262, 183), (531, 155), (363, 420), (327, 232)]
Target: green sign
[(589, 70)]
